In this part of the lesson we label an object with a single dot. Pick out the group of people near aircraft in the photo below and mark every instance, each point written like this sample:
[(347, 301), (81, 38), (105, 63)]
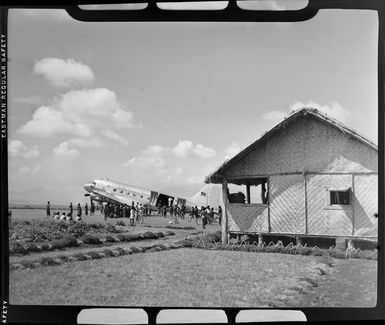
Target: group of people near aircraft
[(69, 216), (207, 214), (135, 213)]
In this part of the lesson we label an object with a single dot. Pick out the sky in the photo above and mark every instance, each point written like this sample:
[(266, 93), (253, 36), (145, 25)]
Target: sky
[(161, 105)]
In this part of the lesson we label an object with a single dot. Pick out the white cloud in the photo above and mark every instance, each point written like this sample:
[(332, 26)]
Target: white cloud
[(49, 120), (332, 109), (154, 150), (63, 149), (232, 150), (144, 162), (204, 152), (17, 148), (64, 73), (80, 115), (185, 148), (25, 171), (115, 137), (85, 143)]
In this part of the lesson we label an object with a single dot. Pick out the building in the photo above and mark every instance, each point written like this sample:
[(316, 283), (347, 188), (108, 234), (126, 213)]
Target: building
[(308, 176)]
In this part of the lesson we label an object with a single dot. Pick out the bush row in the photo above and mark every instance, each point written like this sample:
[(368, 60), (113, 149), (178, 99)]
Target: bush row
[(212, 241), (91, 255), (71, 241), (50, 230)]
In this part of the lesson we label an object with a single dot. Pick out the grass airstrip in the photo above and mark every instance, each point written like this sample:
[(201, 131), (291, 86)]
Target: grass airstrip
[(133, 268)]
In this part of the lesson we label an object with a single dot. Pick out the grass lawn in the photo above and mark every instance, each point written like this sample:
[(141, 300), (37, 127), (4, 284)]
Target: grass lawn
[(184, 277)]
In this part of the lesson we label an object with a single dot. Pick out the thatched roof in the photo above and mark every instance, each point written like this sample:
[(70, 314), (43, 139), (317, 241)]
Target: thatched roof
[(216, 175)]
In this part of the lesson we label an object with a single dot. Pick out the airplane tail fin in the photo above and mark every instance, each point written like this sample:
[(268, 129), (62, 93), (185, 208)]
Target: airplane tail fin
[(210, 194)]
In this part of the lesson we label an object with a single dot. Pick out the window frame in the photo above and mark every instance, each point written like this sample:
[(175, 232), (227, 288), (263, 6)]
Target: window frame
[(330, 206)]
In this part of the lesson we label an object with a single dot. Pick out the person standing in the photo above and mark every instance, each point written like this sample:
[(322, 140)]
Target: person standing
[(86, 209), (71, 209), (92, 209), (204, 217), (211, 215), (78, 212), (48, 209), (196, 215), (106, 211), (132, 215), (220, 215)]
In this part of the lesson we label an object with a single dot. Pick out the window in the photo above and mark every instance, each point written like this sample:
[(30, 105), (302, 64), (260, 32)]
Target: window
[(340, 197)]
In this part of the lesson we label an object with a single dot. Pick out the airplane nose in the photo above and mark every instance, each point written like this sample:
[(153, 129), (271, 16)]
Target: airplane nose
[(89, 187)]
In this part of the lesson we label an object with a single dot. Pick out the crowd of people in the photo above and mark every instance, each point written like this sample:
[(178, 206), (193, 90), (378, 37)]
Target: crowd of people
[(137, 212), (207, 214), (69, 216)]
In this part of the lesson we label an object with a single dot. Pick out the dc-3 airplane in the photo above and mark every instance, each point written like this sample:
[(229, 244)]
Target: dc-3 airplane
[(110, 191)]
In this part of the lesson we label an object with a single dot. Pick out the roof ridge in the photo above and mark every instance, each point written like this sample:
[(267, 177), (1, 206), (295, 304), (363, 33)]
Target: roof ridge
[(298, 112)]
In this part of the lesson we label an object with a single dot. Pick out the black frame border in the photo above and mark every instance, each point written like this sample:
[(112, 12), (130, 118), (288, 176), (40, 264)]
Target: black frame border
[(68, 314)]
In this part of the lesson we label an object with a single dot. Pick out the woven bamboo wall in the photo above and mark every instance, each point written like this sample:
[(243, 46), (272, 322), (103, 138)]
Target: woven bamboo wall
[(287, 204), (322, 219), (307, 144), (247, 217), (365, 205)]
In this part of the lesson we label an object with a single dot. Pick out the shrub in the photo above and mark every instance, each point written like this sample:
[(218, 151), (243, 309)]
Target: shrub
[(162, 247), (170, 233), (159, 234), (135, 249), (27, 264), (187, 242), (17, 248), (47, 261), (121, 237), (32, 248), (80, 257), (149, 235), (132, 237), (46, 246), (68, 241), (107, 252), (110, 239), (94, 255), (337, 253), (111, 228), (88, 239), (120, 223), (64, 258)]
